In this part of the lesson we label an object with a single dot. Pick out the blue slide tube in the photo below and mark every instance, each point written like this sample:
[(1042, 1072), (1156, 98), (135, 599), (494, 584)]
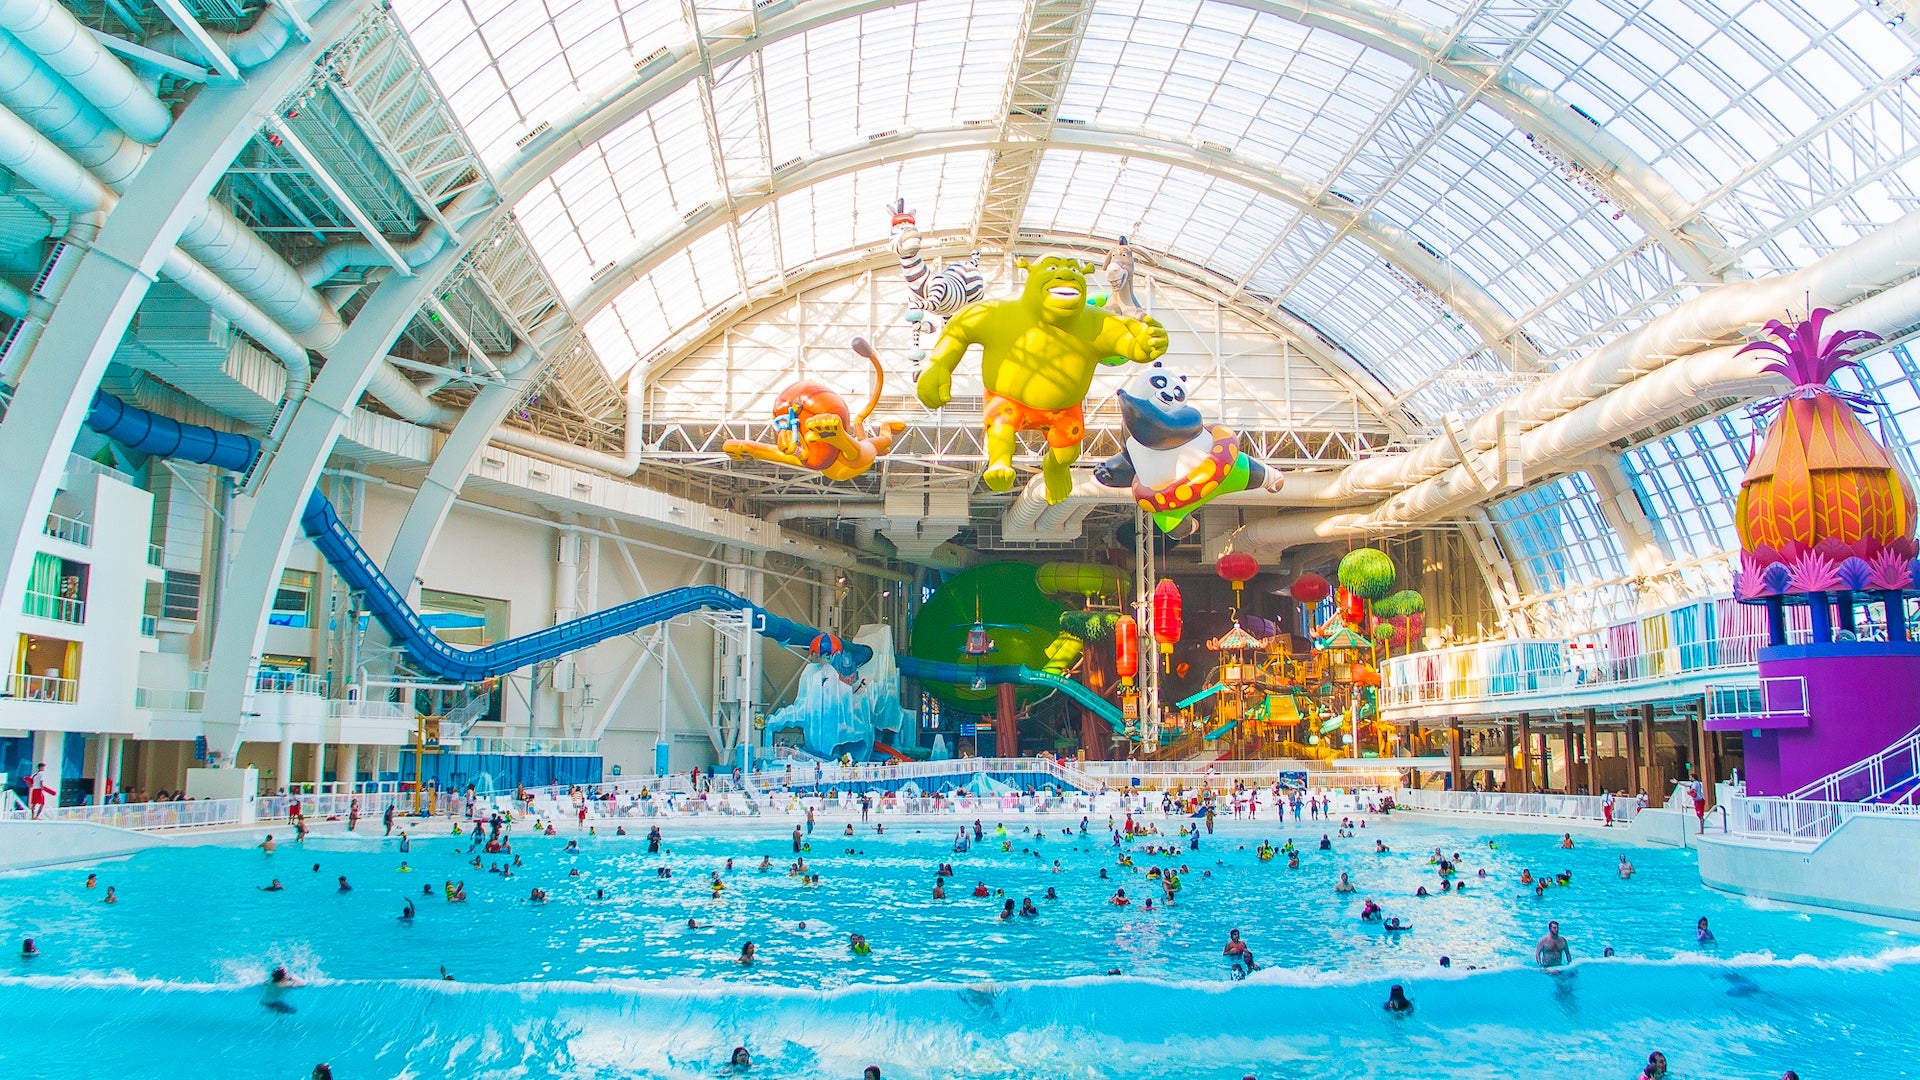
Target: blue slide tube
[(160, 436), (993, 674)]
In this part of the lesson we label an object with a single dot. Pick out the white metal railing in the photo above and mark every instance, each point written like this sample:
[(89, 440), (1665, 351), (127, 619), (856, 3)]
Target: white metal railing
[(153, 815), (1516, 804), (1427, 677), (509, 745), (269, 681), (1892, 771), (1801, 820), (362, 709), (1773, 695), (64, 609), (72, 530), (43, 688), (169, 700), (80, 463)]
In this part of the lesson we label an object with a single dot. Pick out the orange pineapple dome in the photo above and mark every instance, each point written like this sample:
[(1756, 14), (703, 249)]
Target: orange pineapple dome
[(1823, 506)]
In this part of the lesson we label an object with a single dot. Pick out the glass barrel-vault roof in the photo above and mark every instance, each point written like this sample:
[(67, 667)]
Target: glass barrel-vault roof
[(1567, 168)]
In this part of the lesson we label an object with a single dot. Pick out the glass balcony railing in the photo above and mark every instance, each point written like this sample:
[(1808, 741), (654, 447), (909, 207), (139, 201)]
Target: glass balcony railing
[(43, 688), (58, 608), (72, 530)]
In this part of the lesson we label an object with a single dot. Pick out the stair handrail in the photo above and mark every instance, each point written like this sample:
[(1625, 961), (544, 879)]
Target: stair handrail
[(1827, 788)]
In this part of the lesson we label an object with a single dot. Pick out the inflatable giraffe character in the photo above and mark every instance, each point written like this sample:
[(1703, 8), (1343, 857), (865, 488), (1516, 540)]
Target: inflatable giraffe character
[(813, 428)]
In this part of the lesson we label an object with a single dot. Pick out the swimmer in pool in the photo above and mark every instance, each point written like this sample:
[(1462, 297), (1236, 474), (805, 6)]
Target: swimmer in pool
[(1343, 885), (858, 943), (1626, 868), (746, 954), (406, 913), (1119, 899), (1237, 950), (1007, 911), (939, 888), (740, 1059), (93, 880), (274, 995), (1553, 950), (344, 887), (28, 950), (268, 845), (1397, 1001), (1701, 934), (275, 887), (1026, 906), (1051, 895)]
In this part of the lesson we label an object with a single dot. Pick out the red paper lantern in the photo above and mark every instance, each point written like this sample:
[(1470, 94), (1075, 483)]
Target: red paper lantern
[(1167, 606), (1310, 589), (1126, 648), (1239, 568), (1352, 607)]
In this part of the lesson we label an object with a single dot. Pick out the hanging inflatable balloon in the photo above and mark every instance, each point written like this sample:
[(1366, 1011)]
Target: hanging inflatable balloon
[(1174, 461), (1039, 351), (813, 429)]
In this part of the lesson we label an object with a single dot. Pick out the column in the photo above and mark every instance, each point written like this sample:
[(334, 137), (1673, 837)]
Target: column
[(1453, 754), (49, 747), (1526, 752), (118, 779), (102, 746), (1632, 728), (1506, 757), (1006, 724), (319, 763), (283, 765), (1593, 767), (1571, 760), (349, 767), (1656, 792), (1709, 757)]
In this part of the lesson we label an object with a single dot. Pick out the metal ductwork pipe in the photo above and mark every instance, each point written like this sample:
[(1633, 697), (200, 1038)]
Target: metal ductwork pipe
[(860, 510), (247, 48), (622, 466), (1675, 387), (391, 387), (39, 97), (66, 47), (29, 155)]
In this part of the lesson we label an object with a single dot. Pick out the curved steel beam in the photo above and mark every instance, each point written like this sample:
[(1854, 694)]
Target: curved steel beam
[(1479, 310), (1629, 180), (1311, 343)]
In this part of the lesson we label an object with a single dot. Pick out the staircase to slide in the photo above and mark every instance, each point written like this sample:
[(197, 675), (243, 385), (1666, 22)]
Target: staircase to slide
[(1890, 776)]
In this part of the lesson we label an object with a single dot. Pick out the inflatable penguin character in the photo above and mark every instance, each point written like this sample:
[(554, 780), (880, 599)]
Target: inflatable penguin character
[(1173, 460)]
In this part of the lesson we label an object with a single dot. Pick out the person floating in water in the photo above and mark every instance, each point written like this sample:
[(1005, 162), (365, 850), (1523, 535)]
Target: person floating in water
[(28, 950), (1397, 1001), (1701, 934), (741, 1059), (1553, 950), (746, 954), (274, 887), (858, 944), (274, 995)]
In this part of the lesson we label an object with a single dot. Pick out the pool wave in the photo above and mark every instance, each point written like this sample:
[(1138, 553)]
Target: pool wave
[(1739, 1012)]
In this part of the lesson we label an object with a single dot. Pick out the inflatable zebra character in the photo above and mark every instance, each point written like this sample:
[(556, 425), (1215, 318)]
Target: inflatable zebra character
[(935, 296)]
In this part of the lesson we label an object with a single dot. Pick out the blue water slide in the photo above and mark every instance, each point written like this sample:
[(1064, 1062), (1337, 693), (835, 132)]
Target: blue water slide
[(995, 674), (160, 436)]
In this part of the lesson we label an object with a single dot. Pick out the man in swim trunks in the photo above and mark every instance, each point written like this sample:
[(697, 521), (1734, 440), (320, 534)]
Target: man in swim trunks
[(1553, 950)]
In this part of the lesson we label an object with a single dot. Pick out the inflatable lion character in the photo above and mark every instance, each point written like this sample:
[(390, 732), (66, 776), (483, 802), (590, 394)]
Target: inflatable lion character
[(813, 428)]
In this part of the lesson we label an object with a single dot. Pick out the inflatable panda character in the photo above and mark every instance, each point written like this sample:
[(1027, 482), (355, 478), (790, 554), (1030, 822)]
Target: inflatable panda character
[(1173, 460)]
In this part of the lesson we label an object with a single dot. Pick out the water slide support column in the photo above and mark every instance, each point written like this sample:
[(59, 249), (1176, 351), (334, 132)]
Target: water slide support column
[(273, 511), (113, 275)]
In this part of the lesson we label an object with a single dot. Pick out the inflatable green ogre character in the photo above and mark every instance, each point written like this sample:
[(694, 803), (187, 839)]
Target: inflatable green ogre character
[(1038, 351)]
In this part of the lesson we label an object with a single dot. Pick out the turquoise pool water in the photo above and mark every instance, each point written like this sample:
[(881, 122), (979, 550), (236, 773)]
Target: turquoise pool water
[(166, 982)]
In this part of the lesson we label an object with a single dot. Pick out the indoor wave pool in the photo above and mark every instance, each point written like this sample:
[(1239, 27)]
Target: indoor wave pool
[(608, 978)]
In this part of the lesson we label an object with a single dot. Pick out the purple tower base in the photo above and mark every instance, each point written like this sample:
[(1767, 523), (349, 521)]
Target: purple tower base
[(1861, 697)]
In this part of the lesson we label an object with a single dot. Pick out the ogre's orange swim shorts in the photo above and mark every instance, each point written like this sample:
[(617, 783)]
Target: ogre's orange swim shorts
[(1064, 427)]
